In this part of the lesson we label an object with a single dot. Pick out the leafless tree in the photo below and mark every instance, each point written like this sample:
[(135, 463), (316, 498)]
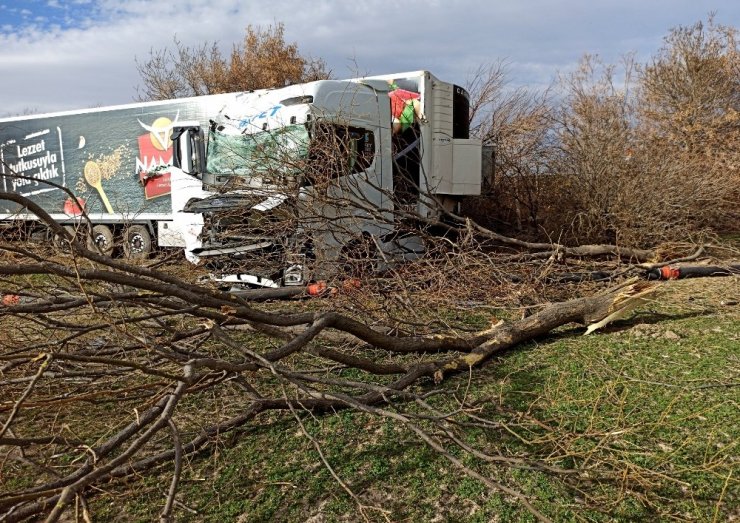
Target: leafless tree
[(516, 123), (689, 104), (262, 60), (577, 166)]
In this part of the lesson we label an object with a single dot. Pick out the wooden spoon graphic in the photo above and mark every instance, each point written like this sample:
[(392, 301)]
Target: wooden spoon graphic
[(94, 178)]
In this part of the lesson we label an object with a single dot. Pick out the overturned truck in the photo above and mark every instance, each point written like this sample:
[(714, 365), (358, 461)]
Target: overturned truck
[(272, 187)]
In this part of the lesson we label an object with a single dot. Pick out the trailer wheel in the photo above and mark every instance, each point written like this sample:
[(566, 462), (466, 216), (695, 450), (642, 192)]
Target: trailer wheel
[(137, 242), (101, 240), (60, 242)]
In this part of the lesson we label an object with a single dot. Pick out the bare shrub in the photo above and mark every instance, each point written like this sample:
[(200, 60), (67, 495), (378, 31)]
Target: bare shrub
[(595, 139), (516, 124), (634, 154), (690, 122), (662, 163)]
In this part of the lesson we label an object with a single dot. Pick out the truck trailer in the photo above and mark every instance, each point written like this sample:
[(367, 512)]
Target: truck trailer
[(283, 183)]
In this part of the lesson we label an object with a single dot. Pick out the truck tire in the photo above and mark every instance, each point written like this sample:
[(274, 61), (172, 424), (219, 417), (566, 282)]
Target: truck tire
[(60, 243), (137, 242), (101, 240)]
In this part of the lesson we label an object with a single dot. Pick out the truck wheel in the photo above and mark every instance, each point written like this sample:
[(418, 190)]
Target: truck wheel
[(137, 242), (101, 240), (60, 243)]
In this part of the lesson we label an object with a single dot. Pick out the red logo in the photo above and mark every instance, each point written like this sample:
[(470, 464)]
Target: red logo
[(155, 154)]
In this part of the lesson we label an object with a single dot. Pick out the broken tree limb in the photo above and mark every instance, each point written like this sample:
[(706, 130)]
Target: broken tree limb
[(592, 310), (691, 257), (557, 250), (667, 272)]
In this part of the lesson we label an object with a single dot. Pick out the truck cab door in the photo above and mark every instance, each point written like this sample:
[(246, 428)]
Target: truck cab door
[(189, 168)]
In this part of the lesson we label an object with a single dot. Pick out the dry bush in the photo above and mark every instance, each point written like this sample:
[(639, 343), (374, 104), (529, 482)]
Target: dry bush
[(261, 61), (662, 164), (632, 155), (689, 123), (595, 139), (516, 124)]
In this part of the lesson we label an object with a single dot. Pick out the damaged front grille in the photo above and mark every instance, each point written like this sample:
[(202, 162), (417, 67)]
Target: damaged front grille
[(240, 223)]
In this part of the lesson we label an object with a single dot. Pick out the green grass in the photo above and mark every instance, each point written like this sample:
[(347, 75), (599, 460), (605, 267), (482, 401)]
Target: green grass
[(648, 408)]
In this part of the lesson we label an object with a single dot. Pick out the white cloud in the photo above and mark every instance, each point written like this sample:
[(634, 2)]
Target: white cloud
[(93, 63)]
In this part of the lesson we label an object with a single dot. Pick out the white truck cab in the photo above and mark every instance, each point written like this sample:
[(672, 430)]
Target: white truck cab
[(334, 151)]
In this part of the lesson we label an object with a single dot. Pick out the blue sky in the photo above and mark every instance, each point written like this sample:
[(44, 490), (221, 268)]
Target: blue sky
[(67, 54), (19, 16)]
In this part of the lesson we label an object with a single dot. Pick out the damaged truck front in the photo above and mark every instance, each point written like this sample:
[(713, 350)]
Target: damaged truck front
[(292, 184)]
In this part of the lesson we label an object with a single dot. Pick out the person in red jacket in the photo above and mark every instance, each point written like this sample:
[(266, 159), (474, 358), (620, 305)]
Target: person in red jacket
[(405, 108)]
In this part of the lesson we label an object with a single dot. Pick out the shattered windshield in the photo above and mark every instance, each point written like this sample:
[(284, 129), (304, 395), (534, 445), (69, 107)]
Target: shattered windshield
[(280, 152)]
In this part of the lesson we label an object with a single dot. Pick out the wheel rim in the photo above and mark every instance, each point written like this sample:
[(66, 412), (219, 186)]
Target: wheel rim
[(136, 242), (101, 242)]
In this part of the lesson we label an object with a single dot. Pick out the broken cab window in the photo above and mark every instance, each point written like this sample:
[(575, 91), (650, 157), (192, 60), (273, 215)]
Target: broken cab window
[(337, 150), (267, 154)]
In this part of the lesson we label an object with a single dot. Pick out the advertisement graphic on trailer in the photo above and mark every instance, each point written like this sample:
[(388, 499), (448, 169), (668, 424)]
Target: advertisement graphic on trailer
[(113, 161)]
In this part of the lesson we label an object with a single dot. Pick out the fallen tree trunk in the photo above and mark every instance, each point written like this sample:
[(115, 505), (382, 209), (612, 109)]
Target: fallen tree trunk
[(556, 250), (691, 271)]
